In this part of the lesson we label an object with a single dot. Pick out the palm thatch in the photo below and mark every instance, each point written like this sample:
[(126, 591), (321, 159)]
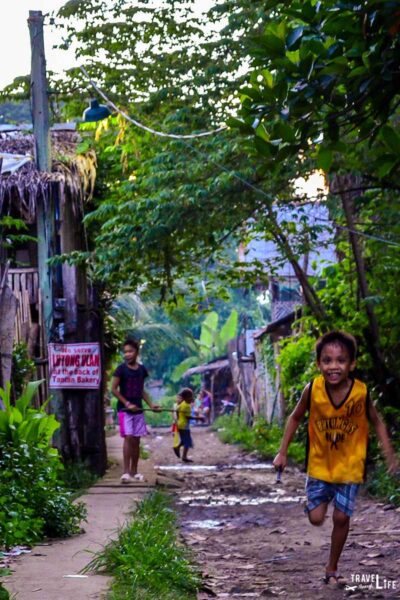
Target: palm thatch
[(72, 177)]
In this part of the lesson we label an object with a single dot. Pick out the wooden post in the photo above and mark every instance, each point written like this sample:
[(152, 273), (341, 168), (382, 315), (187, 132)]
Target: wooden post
[(44, 205), (41, 130), (8, 311)]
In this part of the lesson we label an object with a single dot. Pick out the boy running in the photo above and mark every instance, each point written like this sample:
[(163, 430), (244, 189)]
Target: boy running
[(339, 409), (128, 387)]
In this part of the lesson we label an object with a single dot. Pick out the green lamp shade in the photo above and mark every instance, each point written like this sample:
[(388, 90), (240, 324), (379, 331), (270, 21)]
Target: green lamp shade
[(96, 112)]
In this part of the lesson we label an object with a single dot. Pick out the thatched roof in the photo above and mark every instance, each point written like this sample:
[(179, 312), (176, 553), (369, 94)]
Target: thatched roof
[(72, 177)]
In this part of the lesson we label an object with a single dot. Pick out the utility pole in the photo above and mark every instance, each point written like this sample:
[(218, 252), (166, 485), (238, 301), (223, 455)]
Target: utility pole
[(45, 219), (41, 131), (80, 411)]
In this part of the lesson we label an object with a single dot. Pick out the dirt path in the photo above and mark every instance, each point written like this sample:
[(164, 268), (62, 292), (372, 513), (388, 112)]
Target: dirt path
[(249, 534), (252, 539)]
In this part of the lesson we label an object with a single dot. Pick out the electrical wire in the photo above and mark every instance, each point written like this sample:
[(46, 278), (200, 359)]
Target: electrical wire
[(173, 136)]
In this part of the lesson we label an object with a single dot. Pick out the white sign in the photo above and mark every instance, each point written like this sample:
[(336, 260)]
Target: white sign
[(75, 366)]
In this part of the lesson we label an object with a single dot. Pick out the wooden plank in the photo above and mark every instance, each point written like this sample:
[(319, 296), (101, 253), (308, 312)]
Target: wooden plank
[(22, 270), (22, 281), (70, 292), (36, 287)]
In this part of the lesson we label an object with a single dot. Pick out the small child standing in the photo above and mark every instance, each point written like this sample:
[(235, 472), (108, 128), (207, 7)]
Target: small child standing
[(185, 400), (339, 409)]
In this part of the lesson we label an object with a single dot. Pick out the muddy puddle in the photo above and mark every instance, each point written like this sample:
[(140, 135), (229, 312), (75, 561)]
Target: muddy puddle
[(204, 524), (203, 468), (207, 498)]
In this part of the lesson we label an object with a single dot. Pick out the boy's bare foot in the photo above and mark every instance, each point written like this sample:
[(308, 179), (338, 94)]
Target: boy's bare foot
[(187, 460), (177, 451)]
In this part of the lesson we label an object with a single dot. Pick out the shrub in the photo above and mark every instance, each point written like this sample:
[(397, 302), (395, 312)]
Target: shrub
[(33, 501)]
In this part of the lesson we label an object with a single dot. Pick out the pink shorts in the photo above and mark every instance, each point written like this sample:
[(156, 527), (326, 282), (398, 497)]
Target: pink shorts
[(131, 424)]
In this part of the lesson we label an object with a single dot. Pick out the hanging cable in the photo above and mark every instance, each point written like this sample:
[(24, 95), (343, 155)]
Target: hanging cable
[(144, 127)]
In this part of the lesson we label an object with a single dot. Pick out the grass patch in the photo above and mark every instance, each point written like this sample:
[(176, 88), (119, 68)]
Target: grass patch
[(262, 437), (147, 560)]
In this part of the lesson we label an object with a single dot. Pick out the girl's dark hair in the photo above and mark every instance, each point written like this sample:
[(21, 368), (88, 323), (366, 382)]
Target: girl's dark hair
[(337, 337), (186, 393), (134, 343)]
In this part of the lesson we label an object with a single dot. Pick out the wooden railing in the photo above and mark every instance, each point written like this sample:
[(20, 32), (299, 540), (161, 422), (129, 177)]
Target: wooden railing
[(24, 283)]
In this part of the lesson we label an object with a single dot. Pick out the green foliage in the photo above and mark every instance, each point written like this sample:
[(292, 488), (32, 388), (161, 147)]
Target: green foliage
[(197, 208), (297, 361), (332, 65), (212, 343), (11, 235), (148, 561), (263, 437), (23, 368), (33, 501), (165, 332), (323, 87)]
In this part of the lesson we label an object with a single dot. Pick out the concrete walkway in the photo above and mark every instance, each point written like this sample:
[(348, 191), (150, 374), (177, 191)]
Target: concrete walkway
[(45, 573)]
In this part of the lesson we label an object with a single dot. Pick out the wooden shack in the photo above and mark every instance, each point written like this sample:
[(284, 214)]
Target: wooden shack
[(216, 376), (75, 312)]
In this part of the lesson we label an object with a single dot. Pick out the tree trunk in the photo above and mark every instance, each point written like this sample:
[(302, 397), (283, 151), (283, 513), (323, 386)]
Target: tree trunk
[(340, 185), (310, 295)]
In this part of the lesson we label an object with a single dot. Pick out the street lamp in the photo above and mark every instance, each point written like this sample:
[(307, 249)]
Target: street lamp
[(96, 112)]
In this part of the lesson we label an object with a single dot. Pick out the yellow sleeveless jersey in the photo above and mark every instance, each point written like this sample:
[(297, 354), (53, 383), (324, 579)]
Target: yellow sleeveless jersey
[(337, 435)]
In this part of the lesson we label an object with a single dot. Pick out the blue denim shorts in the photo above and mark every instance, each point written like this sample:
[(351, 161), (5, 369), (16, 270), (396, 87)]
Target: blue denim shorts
[(343, 494), (186, 438)]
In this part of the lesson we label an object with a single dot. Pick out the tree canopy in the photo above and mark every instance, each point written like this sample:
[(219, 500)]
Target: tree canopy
[(180, 207)]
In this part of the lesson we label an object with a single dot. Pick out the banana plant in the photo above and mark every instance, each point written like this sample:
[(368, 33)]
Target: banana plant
[(211, 344)]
